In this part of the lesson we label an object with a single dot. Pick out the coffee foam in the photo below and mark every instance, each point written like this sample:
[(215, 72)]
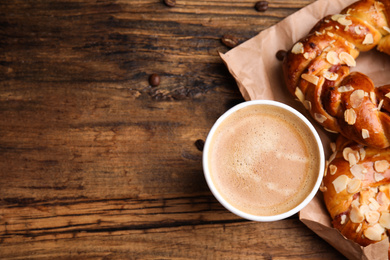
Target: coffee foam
[(263, 160)]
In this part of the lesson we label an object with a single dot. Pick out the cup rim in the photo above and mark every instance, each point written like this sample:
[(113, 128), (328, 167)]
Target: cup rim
[(240, 213)]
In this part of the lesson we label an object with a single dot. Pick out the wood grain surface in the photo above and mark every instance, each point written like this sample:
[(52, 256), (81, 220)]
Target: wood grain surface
[(97, 164)]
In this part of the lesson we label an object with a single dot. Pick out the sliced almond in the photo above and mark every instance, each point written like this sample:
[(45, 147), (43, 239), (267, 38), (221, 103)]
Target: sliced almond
[(368, 39), (347, 59), (356, 98), (362, 153), (343, 89), (350, 44), (299, 94), (365, 134), (344, 21), (332, 57), (380, 105), (382, 199), (384, 220), (332, 169), (358, 171), (372, 217), (374, 233), (374, 205), (343, 219), (340, 183), (387, 29), (353, 186), (387, 95), (297, 48), (378, 177), (336, 17), (317, 33), (349, 150), (330, 75), (355, 215), (381, 166), (319, 118), (307, 104), (357, 30), (373, 97), (359, 228), (310, 78), (350, 116), (306, 55)]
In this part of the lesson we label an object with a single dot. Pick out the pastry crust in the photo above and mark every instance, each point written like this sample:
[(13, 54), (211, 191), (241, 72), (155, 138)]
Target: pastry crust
[(356, 189), (317, 73)]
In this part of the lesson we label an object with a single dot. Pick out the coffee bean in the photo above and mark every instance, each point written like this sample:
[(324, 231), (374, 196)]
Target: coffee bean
[(154, 80), (281, 54), (229, 40), (170, 3), (261, 6), (199, 144)]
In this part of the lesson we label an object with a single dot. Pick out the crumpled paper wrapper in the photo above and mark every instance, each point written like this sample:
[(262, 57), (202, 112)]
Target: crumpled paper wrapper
[(259, 75)]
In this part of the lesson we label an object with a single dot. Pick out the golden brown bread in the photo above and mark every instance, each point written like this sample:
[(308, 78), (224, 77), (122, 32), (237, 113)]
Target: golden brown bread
[(317, 72), (356, 189)]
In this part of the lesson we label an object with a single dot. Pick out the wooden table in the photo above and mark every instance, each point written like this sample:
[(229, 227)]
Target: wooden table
[(96, 163)]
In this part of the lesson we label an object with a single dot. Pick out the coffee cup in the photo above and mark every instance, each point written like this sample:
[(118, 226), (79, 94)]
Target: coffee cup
[(263, 160)]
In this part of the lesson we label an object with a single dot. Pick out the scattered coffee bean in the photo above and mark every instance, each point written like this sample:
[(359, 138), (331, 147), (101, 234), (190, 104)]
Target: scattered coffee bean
[(229, 40), (261, 6), (281, 54), (199, 144), (170, 3), (154, 80)]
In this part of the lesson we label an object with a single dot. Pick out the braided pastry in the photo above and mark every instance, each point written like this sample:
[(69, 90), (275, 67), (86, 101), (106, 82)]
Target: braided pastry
[(317, 72), (356, 189)]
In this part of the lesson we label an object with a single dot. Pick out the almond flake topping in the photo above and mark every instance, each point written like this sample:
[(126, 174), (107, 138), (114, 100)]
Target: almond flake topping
[(347, 58), (307, 104), (344, 21), (372, 217), (332, 169), (380, 105), (382, 199), (374, 205), (384, 220), (320, 118), (349, 44), (362, 153), (330, 75), (358, 171), (359, 228), (357, 30), (374, 233), (330, 34), (347, 151), (356, 98), (306, 55), (355, 215), (297, 48), (299, 94), (340, 183), (353, 186), (332, 57), (381, 166), (350, 116), (373, 97), (336, 17), (310, 78), (368, 39), (378, 177), (387, 95), (387, 29), (343, 89), (343, 219), (318, 33), (365, 134)]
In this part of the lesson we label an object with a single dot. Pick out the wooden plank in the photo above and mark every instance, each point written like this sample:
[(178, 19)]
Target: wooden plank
[(96, 163)]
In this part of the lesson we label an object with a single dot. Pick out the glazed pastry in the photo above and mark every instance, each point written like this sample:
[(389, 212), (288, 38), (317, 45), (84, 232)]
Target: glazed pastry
[(356, 189), (317, 73)]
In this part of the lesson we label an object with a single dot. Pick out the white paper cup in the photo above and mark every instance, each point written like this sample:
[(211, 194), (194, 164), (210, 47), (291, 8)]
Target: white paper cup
[(297, 116)]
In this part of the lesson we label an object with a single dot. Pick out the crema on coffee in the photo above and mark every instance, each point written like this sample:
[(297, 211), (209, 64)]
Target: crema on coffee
[(263, 160)]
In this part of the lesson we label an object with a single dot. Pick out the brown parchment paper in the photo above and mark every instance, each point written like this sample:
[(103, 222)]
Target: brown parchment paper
[(259, 75)]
